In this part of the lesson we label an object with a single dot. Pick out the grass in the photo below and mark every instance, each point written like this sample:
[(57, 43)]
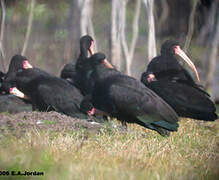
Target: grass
[(190, 153), (47, 122)]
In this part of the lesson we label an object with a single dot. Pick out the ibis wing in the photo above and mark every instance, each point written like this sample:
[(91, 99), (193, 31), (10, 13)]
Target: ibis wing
[(132, 97)]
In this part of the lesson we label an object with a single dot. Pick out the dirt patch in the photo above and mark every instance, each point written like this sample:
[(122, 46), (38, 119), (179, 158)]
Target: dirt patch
[(52, 121)]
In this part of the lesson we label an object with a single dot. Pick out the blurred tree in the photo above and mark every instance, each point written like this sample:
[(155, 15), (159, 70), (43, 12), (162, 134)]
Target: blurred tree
[(29, 27), (162, 10), (129, 51), (71, 49), (213, 42), (191, 26), (86, 23), (3, 14), (152, 52), (118, 38), (79, 23), (209, 22), (115, 39), (177, 22)]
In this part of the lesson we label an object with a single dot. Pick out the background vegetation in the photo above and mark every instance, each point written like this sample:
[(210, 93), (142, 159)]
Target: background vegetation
[(109, 153), (56, 30)]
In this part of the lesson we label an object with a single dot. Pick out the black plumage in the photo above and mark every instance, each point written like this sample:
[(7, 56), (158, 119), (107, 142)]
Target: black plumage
[(69, 74), (128, 99), (10, 103), (167, 67), (16, 64), (48, 93), (175, 85), (73, 72), (45, 91), (2, 76)]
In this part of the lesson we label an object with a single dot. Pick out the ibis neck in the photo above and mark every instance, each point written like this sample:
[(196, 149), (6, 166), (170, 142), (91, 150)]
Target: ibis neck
[(83, 52)]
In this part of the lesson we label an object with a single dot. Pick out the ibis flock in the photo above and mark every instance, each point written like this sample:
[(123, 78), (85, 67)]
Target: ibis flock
[(92, 85)]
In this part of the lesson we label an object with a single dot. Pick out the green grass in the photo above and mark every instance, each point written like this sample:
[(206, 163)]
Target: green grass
[(47, 122), (190, 153)]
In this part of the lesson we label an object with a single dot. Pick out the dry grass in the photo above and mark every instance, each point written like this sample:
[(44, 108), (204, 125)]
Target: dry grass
[(190, 153)]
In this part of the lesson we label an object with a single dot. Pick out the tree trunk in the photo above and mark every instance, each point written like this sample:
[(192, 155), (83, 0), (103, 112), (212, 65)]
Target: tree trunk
[(86, 23), (191, 26), (79, 24), (71, 49), (163, 16), (115, 35), (212, 58), (3, 14), (129, 52), (209, 24), (152, 52), (29, 27)]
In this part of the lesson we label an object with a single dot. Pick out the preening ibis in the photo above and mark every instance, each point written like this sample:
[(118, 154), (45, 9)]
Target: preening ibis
[(16, 64), (45, 91), (166, 65), (166, 77)]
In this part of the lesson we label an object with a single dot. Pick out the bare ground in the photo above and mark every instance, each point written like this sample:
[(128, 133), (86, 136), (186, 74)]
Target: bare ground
[(52, 121)]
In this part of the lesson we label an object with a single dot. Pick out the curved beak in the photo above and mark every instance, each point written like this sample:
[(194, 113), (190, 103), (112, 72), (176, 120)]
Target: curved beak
[(107, 64), (183, 55), (91, 49)]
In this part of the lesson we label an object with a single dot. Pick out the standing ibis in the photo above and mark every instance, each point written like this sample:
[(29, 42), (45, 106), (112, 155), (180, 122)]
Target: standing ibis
[(73, 73), (128, 100)]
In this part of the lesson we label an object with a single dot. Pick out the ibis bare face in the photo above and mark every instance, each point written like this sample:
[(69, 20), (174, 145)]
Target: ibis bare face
[(18, 93), (151, 77), (91, 49), (27, 65), (183, 55), (91, 112)]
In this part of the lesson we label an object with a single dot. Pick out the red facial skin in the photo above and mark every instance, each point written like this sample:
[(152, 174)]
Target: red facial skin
[(91, 112), (151, 77), (18, 93), (91, 49), (27, 65)]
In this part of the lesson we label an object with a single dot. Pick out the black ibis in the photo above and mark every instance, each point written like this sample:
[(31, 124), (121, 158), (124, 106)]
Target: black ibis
[(128, 100), (45, 91), (167, 67), (16, 64), (166, 77), (73, 72)]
